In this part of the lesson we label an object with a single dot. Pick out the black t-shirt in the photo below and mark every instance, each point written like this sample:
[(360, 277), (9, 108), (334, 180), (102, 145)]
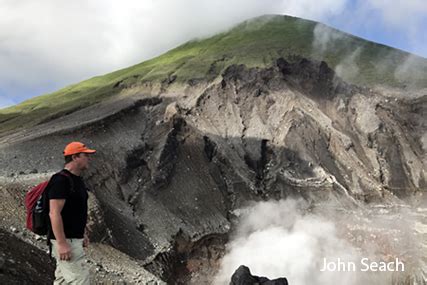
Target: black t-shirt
[(74, 212)]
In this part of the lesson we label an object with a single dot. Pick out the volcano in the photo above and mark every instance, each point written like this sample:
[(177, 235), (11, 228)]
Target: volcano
[(277, 107)]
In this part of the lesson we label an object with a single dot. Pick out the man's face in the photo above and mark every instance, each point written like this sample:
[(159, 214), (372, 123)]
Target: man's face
[(82, 160)]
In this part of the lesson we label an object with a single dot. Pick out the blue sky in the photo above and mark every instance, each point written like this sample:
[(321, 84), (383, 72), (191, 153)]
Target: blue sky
[(48, 44), (393, 27)]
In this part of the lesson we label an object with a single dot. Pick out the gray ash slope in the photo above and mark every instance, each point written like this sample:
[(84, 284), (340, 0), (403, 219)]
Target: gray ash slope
[(171, 167)]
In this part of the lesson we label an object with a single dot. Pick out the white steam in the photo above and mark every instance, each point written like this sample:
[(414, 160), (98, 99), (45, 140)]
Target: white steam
[(408, 71), (275, 239), (347, 69), (324, 39), (288, 239)]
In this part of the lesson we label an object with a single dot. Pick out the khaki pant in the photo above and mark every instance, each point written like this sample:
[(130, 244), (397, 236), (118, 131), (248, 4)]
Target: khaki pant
[(74, 271)]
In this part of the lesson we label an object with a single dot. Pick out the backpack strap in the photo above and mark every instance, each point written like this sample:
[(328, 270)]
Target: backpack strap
[(49, 237), (70, 179)]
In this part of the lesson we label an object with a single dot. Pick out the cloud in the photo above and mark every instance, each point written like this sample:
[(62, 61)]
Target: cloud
[(322, 9), (405, 18), (47, 44), (399, 12), (52, 43)]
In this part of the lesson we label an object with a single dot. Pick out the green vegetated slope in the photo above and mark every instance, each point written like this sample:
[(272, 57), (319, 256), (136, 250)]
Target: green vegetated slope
[(256, 42)]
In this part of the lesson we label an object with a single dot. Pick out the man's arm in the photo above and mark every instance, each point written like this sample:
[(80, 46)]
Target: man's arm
[(64, 249)]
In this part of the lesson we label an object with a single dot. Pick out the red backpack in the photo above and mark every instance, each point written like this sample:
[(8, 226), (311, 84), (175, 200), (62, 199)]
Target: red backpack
[(37, 205)]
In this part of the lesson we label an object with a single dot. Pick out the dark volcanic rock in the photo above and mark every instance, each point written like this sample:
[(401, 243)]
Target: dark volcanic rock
[(22, 263), (243, 276)]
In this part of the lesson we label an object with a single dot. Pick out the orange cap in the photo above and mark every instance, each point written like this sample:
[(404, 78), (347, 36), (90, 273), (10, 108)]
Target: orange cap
[(76, 147)]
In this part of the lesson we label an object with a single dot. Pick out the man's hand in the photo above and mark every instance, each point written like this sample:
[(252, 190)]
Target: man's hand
[(64, 250)]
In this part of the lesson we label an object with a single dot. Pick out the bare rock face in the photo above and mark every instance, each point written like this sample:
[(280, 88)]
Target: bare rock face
[(170, 168), (243, 276), (22, 263)]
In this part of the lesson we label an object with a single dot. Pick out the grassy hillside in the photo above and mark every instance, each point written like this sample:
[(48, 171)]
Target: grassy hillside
[(257, 42)]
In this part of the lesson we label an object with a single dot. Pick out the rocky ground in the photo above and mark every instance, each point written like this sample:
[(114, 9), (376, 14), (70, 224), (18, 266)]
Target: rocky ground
[(22, 263), (172, 165), (24, 256)]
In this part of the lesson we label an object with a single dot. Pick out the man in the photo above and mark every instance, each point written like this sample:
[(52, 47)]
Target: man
[(68, 216)]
